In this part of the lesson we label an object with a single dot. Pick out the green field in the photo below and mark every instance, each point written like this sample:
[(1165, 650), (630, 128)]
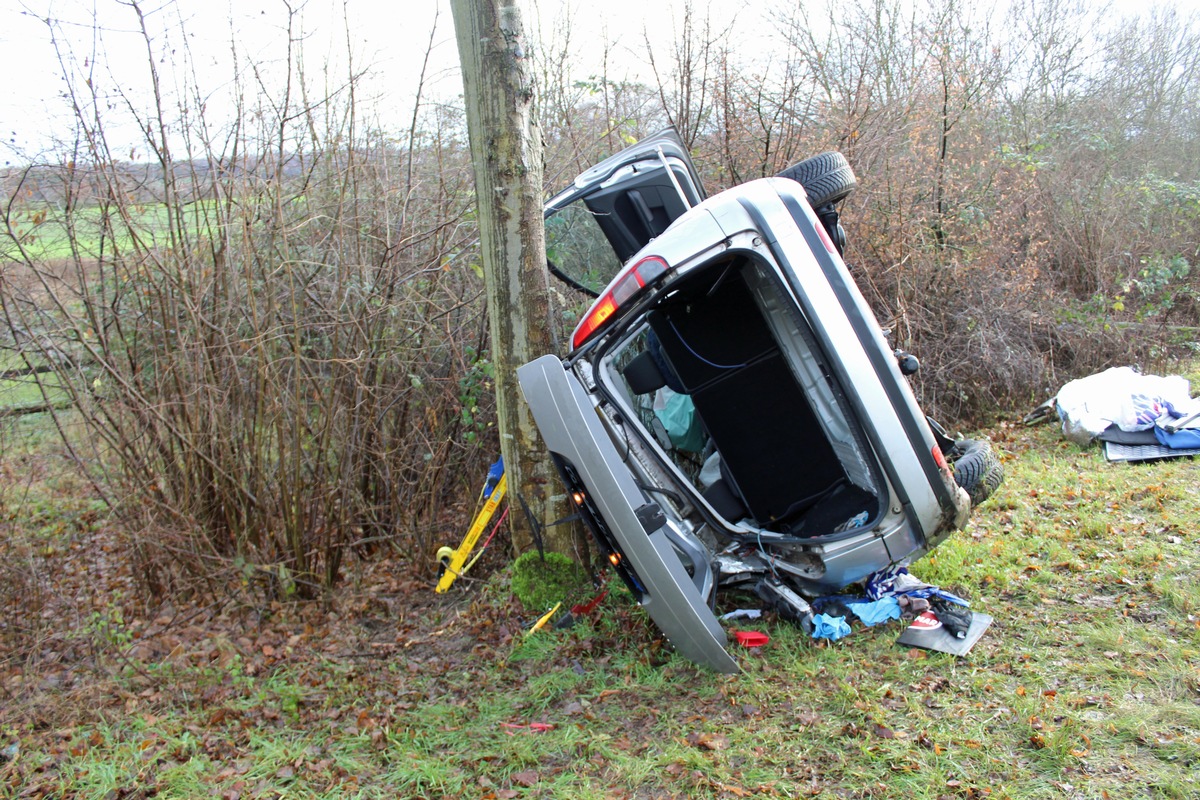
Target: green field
[(21, 388), (45, 234)]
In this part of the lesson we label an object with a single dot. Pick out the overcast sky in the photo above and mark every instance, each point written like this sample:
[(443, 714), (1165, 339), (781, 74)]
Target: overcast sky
[(388, 38)]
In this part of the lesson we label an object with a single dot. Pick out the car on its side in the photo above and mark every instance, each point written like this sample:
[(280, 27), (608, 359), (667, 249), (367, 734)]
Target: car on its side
[(730, 413)]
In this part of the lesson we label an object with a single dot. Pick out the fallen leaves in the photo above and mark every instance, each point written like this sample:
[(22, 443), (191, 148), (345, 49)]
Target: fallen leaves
[(526, 778), (884, 732), (513, 728), (708, 741)]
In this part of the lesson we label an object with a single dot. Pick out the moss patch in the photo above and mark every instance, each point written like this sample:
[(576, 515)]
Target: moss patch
[(540, 583)]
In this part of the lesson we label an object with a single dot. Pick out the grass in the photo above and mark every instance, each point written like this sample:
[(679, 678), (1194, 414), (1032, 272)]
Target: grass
[(45, 236), (1086, 686)]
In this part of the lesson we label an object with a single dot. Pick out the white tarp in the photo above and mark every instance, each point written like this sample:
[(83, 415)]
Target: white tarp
[(1121, 396)]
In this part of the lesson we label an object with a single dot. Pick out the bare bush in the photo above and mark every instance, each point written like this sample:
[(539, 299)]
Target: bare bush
[(272, 329), (1026, 210)]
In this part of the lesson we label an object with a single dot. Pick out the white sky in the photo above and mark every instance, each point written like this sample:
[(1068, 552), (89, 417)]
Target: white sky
[(388, 38)]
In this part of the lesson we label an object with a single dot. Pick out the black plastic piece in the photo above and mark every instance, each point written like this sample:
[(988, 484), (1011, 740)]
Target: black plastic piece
[(651, 517), (828, 216), (908, 363), (785, 602), (955, 619), (643, 374)]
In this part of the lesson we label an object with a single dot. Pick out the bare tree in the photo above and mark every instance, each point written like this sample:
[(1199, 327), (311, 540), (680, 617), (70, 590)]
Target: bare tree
[(278, 358), (506, 148), (686, 80)]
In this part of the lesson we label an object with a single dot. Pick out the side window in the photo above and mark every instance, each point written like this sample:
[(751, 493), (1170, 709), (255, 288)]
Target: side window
[(577, 247)]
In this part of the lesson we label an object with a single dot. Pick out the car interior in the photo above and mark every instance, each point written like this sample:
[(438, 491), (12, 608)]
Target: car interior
[(788, 459)]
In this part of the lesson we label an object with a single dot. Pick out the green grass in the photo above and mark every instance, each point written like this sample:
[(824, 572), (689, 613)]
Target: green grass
[(1086, 685), (22, 391), (45, 235)]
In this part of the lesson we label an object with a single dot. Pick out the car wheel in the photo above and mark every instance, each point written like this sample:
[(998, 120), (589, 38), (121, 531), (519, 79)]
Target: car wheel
[(827, 178), (977, 468)]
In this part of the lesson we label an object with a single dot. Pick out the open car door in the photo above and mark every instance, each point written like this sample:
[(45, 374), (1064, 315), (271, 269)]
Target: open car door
[(615, 208)]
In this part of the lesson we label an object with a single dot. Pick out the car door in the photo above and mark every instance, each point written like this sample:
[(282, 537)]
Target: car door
[(614, 209), (641, 536)]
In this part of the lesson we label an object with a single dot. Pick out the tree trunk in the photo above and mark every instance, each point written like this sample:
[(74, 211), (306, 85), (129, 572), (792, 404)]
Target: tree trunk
[(506, 149)]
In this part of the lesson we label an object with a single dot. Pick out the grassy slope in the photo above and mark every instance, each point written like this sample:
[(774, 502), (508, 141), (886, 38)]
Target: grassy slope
[(1086, 686)]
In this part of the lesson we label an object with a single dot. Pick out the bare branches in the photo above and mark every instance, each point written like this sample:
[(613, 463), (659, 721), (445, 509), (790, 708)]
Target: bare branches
[(267, 342)]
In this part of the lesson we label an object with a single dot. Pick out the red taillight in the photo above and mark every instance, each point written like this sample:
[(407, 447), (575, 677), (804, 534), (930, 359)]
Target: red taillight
[(628, 284), (939, 459), (597, 315)]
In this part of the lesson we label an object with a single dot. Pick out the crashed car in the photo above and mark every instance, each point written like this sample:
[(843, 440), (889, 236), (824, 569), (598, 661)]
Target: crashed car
[(730, 413)]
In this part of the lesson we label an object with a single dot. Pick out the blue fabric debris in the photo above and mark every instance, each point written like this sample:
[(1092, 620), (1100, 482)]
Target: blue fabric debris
[(1149, 408), (934, 591), (883, 583), (895, 581), (857, 521), (878, 611), (827, 627), (1186, 439)]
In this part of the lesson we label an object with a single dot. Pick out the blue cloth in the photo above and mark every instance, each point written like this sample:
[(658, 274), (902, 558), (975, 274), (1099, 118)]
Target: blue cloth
[(883, 583), (1186, 439), (895, 581), (933, 591), (876, 612), (827, 627)]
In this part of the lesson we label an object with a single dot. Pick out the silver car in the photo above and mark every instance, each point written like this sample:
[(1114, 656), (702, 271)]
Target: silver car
[(730, 412)]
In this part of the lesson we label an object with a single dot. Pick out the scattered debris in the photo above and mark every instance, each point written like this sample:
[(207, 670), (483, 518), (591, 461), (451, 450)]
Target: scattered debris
[(912, 605), (1137, 417), (955, 618), (541, 623), (832, 628), (895, 581), (751, 638), (929, 633), (943, 620), (579, 610), (788, 604), (876, 611)]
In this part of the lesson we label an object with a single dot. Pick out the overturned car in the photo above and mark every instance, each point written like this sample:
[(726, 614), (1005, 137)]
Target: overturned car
[(730, 413)]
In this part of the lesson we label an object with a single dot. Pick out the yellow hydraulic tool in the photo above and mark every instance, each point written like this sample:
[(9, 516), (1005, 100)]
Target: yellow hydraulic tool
[(454, 560), (541, 623)]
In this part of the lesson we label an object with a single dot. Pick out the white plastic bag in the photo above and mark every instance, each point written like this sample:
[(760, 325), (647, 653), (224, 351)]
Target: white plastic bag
[(1120, 396)]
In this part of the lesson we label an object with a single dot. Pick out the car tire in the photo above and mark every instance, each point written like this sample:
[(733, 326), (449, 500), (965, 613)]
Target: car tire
[(827, 178), (977, 468)]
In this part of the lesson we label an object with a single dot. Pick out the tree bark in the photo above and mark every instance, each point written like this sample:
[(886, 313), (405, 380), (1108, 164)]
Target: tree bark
[(506, 149)]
